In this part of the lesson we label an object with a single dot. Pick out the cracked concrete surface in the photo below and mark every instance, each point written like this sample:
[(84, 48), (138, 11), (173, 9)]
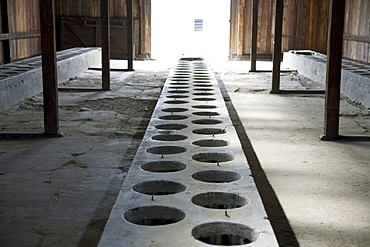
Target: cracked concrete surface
[(322, 187), (59, 192)]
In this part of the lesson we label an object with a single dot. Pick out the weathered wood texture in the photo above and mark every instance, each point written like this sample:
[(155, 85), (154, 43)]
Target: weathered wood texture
[(80, 25), (304, 26), (356, 44), (241, 26), (85, 32), (23, 30), (145, 27)]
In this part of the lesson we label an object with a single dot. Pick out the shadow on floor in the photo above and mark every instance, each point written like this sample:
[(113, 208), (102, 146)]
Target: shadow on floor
[(283, 231)]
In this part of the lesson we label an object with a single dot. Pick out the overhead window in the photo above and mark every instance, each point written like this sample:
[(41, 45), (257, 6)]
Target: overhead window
[(198, 25)]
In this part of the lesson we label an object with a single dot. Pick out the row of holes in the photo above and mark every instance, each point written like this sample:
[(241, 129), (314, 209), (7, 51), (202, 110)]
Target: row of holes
[(215, 233)]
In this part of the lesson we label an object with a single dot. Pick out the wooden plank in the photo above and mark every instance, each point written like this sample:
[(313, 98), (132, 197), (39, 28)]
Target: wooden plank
[(241, 31), (358, 38), (23, 35), (145, 28), (356, 31), (49, 68), (334, 69), (4, 36), (76, 33), (24, 26)]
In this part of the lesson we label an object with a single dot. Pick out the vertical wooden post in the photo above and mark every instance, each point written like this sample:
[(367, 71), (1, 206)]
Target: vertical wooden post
[(333, 69), (49, 68), (277, 47), (105, 41), (130, 36), (254, 35), (5, 30)]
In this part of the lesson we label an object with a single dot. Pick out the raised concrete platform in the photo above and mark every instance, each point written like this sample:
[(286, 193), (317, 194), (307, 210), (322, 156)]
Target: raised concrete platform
[(355, 82), (189, 183), (23, 79)]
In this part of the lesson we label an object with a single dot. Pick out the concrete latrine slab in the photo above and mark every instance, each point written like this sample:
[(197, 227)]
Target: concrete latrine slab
[(189, 183)]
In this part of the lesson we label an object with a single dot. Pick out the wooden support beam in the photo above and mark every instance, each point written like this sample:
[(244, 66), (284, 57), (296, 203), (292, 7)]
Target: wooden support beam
[(130, 35), (105, 41), (254, 35), (334, 69), (49, 68), (277, 47), (4, 37)]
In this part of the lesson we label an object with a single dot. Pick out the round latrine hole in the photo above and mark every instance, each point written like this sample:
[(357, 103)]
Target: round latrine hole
[(178, 91), (154, 215), (209, 131), (211, 143), (179, 83), (159, 187), (204, 106), (171, 137), (177, 96), (216, 176), (180, 77), (179, 80), (212, 157), (202, 85), (224, 233), (206, 121), (173, 117), (206, 113), (203, 94), (176, 102), (207, 77), (219, 200), (175, 109), (204, 89), (178, 87), (171, 126), (166, 150), (201, 81), (204, 99), (182, 70), (163, 166)]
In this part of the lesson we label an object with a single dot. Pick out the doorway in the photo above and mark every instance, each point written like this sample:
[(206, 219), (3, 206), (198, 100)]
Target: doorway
[(195, 28)]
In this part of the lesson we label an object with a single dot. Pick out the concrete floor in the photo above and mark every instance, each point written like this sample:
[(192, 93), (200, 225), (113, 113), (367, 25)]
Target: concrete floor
[(59, 192)]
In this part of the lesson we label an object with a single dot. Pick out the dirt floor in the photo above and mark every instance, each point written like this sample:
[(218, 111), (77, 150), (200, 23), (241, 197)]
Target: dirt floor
[(59, 191)]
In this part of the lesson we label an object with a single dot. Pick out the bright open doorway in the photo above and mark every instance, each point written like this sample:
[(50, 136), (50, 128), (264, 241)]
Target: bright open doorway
[(190, 28)]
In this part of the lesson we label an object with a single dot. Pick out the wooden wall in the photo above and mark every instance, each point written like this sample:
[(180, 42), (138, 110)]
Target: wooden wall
[(91, 9), (304, 26), (240, 28), (23, 34), (356, 44)]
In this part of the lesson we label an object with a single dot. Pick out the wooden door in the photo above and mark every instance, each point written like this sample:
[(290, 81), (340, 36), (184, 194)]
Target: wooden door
[(85, 32)]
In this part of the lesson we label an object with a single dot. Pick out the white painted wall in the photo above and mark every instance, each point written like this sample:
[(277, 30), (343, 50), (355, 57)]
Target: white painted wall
[(173, 34)]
